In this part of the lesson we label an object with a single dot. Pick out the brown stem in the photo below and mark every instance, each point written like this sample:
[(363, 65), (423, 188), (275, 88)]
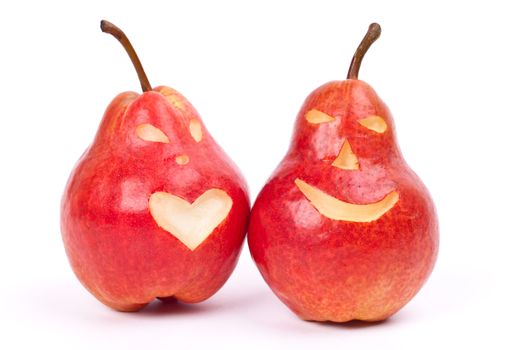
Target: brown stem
[(110, 28), (374, 31)]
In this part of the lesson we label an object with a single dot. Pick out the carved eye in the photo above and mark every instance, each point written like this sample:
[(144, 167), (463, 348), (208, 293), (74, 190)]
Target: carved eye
[(315, 116), (196, 130), (148, 132), (374, 123)]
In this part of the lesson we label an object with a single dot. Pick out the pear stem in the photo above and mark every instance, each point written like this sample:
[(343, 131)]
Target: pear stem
[(374, 31), (110, 28)]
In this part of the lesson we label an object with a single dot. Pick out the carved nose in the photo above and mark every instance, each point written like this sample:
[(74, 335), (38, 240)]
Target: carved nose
[(182, 159), (346, 159)]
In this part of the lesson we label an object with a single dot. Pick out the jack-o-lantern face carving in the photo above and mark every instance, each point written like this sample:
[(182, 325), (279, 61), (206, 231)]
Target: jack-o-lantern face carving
[(344, 143), (169, 130), (190, 222), (343, 221), (344, 229)]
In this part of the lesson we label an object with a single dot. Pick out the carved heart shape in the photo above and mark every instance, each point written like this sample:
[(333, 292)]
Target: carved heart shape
[(191, 223)]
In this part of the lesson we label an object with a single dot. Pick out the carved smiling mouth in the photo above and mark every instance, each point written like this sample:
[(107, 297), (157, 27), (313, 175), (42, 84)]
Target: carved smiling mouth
[(337, 209)]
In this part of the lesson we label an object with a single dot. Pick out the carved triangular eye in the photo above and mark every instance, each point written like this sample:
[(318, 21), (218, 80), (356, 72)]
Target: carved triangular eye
[(148, 132), (374, 123)]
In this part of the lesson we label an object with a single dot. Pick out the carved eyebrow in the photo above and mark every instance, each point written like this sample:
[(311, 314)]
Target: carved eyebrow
[(148, 132), (315, 116), (374, 123)]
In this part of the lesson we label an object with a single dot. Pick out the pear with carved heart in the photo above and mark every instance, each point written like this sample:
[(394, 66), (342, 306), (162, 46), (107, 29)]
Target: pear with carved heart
[(344, 229), (154, 207)]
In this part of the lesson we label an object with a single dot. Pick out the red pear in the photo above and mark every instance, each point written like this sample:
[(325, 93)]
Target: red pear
[(154, 207), (344, 229)]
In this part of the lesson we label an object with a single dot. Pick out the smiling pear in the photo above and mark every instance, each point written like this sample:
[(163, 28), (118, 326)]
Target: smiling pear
[(344, 229), (154, 208)]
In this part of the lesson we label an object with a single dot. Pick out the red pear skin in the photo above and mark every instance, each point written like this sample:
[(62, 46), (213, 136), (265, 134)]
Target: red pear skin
[(116, 247), (337, 270)]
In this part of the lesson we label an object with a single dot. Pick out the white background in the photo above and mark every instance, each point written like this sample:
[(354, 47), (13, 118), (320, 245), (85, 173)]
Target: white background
[(451, 72)]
